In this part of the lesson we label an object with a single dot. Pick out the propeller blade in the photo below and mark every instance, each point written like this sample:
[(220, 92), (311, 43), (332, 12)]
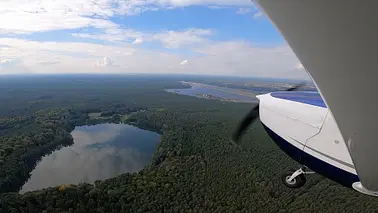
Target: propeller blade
[(296, 87), (247, 120), (251, 117)]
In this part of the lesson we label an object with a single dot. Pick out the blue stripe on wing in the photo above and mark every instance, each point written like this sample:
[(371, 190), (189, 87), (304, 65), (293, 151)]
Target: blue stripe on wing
[(311, 98)]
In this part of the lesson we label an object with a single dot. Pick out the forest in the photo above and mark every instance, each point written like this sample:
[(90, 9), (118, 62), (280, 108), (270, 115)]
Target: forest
[(195, 167)]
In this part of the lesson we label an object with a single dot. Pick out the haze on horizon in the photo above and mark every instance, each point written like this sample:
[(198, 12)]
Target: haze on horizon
[(228, 38)]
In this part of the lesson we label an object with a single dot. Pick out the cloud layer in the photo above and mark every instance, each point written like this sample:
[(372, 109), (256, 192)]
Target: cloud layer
[(218, 58), (110, 48), (28, 16)]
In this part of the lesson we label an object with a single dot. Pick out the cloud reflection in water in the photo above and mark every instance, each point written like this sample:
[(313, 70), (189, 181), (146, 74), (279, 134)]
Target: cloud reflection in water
[(99, 152)]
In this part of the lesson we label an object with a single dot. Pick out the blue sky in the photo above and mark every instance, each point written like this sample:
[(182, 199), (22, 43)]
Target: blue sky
[(225, 21), (224, 37)]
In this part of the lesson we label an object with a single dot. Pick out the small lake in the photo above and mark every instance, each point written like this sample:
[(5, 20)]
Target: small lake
[(223, 93), (99, 152)]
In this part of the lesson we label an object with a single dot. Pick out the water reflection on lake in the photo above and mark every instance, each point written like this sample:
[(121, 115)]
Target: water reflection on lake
[(99, 152)]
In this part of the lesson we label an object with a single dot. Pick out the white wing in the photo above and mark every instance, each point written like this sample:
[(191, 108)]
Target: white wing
[(337, 42)]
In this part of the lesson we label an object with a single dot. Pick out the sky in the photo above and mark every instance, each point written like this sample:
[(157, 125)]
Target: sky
[(212, 37)]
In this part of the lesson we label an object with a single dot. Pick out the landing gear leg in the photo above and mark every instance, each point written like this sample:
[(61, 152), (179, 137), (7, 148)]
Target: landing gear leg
[(295, 178)]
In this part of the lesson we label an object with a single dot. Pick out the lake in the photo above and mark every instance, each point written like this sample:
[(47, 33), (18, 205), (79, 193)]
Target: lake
[(215, 92), (99, 152)]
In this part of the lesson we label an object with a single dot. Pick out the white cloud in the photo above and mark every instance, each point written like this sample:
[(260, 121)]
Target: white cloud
[(138, 41), (176, 39), (28, 16), (23, 16), (182, 3), (49, 62), (241, 58), (299, 66), (169, 39), (216, 7), (112, 35), (257, 15), (236, 58), (104, 62), (5, 60), (242, 11), (184, 62), (222, 58)]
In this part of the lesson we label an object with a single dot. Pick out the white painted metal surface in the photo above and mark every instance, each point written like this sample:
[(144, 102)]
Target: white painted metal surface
[(304, 113), (310, 128), (329, 146), (360, 188), (337, 43), (293, 121)]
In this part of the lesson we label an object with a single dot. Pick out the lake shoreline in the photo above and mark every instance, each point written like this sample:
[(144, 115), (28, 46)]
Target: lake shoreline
[(99, 152), (18, 175), (31, 161)]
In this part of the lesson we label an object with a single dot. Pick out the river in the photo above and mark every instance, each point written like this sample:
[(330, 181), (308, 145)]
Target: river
[(207, 91)]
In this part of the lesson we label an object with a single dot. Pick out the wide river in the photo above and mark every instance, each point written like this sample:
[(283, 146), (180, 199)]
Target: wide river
[(99, 152), (222, 93)]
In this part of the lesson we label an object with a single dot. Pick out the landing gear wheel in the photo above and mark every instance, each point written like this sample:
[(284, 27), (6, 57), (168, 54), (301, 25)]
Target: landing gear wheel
[(296, 182)]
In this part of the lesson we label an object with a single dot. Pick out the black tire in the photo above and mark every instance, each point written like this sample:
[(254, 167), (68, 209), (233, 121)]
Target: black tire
[(297, 182)]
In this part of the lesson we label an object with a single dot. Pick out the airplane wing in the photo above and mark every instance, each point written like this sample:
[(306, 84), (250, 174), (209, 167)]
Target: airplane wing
[(337, 43)]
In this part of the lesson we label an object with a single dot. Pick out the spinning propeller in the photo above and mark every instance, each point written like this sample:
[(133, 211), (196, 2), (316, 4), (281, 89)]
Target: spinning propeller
[(250, 118)]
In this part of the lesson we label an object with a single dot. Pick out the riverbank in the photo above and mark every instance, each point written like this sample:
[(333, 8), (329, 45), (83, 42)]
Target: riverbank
[(206, 91)]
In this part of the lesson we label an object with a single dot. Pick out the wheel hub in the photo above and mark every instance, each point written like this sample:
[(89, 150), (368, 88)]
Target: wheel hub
[(292, 182)]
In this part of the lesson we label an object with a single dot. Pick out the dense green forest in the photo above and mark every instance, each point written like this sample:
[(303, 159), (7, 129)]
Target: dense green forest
[(195, 168)]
